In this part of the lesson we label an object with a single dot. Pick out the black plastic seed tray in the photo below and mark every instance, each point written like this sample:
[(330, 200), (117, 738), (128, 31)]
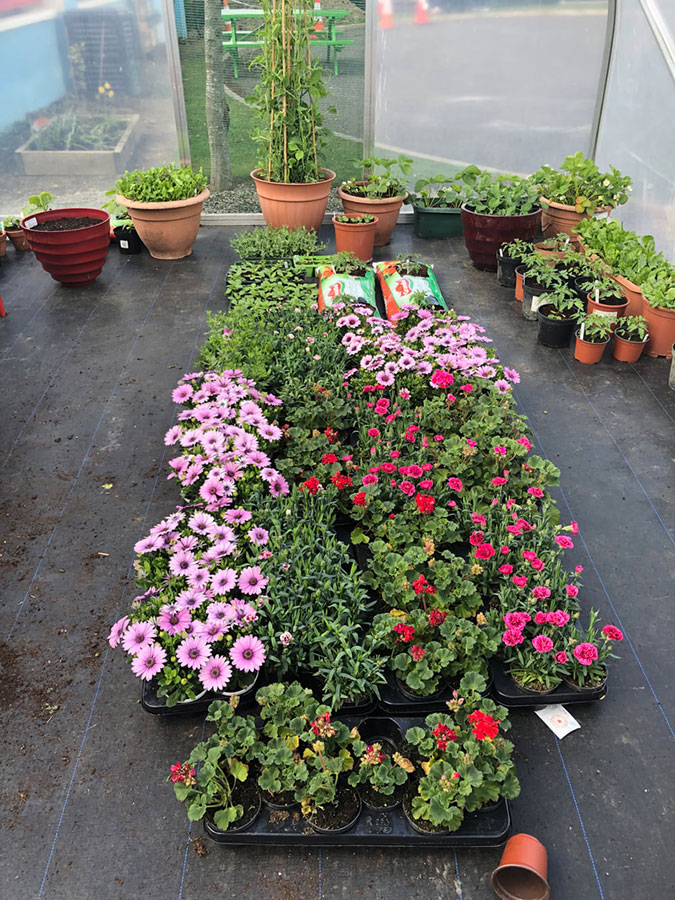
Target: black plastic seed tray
[(155, 705), (395, 702), (507, 692)]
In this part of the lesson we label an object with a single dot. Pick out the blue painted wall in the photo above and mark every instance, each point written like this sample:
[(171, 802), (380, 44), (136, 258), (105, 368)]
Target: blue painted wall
[(34, 68)]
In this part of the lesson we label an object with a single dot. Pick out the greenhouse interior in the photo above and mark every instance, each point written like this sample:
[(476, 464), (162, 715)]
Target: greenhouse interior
[(338, 544)]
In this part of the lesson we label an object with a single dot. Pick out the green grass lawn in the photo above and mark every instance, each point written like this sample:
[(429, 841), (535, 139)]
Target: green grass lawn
[(243, 152)]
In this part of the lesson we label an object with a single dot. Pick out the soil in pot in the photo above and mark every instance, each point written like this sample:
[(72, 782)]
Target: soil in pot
[(247, 794), (587, 686), (420, 825), (66, 224), (554, 331), (282, 800), (338, 816), (377, 800)]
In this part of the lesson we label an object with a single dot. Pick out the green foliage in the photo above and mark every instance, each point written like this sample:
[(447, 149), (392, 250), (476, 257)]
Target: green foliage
[(595, 328), (119, 214), (38, 203), (503, 195), (564, 300), (659, 287), (517, 249), (376, 769), (161, 184), (626, 254), (581, 184), (11, 223), (632, 328), (440, 192), (72, 132), (274, 243), (357, 219), (379, 185)]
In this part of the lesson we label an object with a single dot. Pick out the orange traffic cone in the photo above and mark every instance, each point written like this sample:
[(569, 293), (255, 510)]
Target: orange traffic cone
[(387, 15), (422, 12), (228, 25), (318, 24)]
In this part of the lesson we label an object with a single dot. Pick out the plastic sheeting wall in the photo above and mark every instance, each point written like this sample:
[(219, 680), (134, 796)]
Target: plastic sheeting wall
[(637, 127)]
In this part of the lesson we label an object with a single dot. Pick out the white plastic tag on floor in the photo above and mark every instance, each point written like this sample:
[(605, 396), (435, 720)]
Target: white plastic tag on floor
[(558, 720)]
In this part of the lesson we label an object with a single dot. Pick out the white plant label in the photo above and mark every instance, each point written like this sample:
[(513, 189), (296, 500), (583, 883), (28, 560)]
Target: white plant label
[(537, 302), (606, 313), (582, 330), (601, 215), (558, 720), (31, 223), (124, 245)]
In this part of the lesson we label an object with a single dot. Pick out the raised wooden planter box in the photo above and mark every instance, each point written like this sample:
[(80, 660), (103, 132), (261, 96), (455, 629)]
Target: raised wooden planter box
[(81, 162)]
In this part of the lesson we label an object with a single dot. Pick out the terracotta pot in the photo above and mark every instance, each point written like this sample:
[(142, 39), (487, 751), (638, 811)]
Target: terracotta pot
[(554, 255), (587, 352), (632, 292), (357, 239), (386, 210), (559, 218), (293, 205), (75, 257), (169, 229), (610, 310), (3, 243), (661, 327), (18, 239), (627, 351), (484, 234), (521, 873), (520, 274)]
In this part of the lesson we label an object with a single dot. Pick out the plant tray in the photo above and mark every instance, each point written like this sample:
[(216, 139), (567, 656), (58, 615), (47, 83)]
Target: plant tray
[(485, 828), (394, 701), (156, 706), (507, 692)]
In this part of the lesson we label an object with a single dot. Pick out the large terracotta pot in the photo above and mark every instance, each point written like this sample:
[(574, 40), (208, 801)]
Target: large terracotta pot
[(293, 205), (484, 234), (74, 257), (632, 292), (386, 210), (610, 310), (559, 218), (522, 870), (661, 327), (355, 238), (168, 229)]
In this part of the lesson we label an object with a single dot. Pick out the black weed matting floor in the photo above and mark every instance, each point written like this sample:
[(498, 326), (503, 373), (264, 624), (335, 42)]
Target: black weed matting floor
[(86, 376)]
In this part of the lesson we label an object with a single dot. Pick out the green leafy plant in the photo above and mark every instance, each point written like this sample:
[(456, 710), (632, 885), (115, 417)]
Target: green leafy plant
[(503, 195), (441, 192), (380, 774), (411, 264), (632, 328), (358, 219), (70, 131), (564, 302), (595, 328), (161, 184), (518, 249), (12, 223), (603, 288), (581, 184), (659, 287), (38, 203), (119, 214), (290, 135), (327, 756), (540, 271), (627, 254), (379, 184), (272, 243)]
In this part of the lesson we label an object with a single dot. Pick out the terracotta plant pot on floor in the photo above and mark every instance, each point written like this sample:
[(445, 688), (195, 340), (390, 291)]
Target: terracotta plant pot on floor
[(606, 308), (589, 352), (167, 229), (559, 218), (3, 243), (627, 351), (386, 210), (293, 205), (661, 325), (73, 256), (356, 237), (18, 239), (484, 234), (521, 873)]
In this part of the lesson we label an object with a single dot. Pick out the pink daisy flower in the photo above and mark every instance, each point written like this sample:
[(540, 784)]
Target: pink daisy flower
[(173, 620), (213, 631), (223, 581), (116, 631), (215, 673), (148, 662), (252, 581), (237, 516), (193, 652), (248, 653), (258, 536), (138, 636)]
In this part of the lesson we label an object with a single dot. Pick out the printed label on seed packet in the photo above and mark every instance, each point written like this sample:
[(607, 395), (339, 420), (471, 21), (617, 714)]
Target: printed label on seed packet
[(558, 720)]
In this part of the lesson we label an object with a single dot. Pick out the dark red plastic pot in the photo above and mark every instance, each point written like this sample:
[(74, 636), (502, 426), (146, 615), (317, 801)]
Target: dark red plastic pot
[(74, 257), (484, 234)]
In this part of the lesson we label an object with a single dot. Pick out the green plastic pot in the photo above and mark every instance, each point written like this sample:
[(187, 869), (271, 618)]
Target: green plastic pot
[(437, 223)]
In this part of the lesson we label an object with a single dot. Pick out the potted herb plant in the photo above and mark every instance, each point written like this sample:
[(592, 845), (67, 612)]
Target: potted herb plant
[(502, 208), (658, 308), (12, 229), (437, 203), (540, 278), (165, 205), (380, 193), (578, 190), (355, 233), (592, 337), (557, 315), (509, 257), (292, 189), (630, 337), (123, 228)]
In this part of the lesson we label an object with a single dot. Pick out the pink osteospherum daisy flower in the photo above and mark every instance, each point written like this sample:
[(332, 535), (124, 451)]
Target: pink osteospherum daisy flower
[(258, 536), (248, 653), (148, 662), (215, 673), (138, 636), (117, 630), (173, 620), (252, 581), (193, 652), (223, 581)]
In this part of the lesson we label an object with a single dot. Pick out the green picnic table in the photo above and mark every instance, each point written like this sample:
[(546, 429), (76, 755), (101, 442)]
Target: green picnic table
[(330, 38)]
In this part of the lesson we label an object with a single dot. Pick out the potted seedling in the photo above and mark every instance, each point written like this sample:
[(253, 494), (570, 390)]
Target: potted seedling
[(12, 229), (292, 188), (630, 337), (380, 193), (554, 248), (379, 776), (658, 308), (165, 205), (123, 227), (437, 203), (593, 336), (355, 233), (603, 296), (557, 316), (71, 244), (539, 279), (588, 655), (269, 243), (503, 207), (577, 191), (509, 257)]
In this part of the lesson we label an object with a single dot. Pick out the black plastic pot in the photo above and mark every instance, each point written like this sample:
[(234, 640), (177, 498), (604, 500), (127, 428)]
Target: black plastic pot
[(554, 332), (532, 292), (155, 705), (394, 701), (128, 240), (507, 692), (506, 270), (343, 828), (381, 730)]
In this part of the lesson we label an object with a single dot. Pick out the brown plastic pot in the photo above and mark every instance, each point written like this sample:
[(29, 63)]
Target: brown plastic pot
[(484, 234), (355, 238), (632, 292), (611, 310), (18, 239), (627, 351), (168, 229), (661, 327), (293, 205), (559, 218), (588, 352), (521, 873), (386, 210), (554, 255)]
